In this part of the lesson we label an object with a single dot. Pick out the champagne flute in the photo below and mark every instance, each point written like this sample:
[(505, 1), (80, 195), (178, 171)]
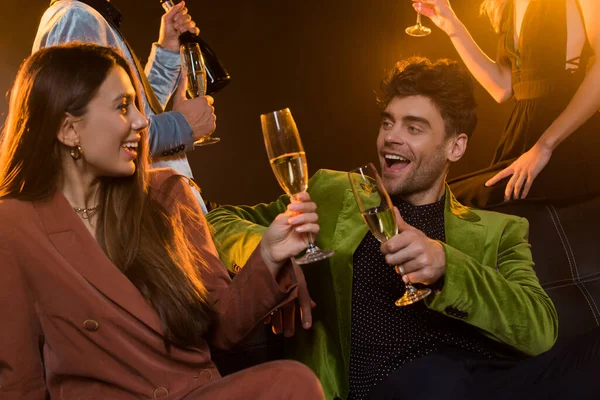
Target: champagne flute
[(193, 64), (377, 211), (288, 161), (418, 30)]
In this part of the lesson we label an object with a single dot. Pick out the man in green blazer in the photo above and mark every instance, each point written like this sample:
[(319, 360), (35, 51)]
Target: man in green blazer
[(488, 305)]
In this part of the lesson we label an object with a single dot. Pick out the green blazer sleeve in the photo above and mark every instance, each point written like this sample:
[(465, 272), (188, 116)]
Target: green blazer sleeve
[(500, 295), (239, 229)]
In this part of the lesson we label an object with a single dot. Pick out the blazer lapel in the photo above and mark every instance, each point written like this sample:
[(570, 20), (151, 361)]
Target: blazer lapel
[(74, 242), (464, 232), (350, 230)]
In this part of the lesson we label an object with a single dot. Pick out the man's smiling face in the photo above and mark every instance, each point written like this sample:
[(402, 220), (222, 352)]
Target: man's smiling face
[(412, 147)]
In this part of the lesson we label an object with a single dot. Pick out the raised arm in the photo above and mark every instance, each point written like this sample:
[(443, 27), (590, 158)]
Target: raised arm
[(266, 282), (494, 76), (586, 100), (582, 106), (164, 67)]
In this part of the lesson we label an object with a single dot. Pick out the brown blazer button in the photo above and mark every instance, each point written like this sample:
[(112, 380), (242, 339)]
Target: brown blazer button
[(91, 325), (207, 373), (160, 392)]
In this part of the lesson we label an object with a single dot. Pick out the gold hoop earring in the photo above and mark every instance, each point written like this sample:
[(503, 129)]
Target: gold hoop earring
[(76, 152)]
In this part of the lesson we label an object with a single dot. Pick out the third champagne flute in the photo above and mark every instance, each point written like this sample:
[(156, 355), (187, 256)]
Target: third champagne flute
[(288, 161), (192, 63), (418, 30), (378, 212)]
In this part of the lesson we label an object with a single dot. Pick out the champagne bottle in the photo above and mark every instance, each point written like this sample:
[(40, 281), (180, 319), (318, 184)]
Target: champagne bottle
[(217, 76)]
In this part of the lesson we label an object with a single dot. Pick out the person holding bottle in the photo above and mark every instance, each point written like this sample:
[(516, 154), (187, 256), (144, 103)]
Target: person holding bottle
[(172, 133), (549, 146)]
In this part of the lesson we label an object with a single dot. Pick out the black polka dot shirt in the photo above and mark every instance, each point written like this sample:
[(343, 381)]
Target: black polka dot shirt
[(384, 336)]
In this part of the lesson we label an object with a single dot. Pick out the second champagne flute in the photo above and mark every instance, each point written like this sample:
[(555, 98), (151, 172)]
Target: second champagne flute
[(378, 212), (288, 161)]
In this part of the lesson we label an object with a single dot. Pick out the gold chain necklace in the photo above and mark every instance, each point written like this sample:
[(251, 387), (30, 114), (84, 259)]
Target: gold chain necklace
[(86, 213)]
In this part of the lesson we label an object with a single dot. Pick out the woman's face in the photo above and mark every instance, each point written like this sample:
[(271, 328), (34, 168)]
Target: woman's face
[(110, 131)]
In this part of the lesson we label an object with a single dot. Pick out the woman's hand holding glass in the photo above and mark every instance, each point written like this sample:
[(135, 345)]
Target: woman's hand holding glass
[(286, 236), (288, 161)]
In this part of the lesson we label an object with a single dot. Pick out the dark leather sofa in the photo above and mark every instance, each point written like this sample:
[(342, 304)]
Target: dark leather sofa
[(565, 243)]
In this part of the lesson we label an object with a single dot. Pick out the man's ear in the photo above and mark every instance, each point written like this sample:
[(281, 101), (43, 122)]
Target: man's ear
[(67, 134), (457, 147)]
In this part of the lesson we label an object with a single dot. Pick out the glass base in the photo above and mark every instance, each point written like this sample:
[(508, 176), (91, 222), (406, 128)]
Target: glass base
[(412, 297), (418, 31), (206, 140), (314, 254)]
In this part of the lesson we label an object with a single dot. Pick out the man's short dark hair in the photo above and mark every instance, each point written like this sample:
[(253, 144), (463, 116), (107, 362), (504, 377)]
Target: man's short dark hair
[(448, 85)]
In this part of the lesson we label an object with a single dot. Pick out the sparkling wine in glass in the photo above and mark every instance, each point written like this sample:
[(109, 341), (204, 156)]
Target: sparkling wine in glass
[(193, 65), (378, 213), (418, 30), (288, 162)]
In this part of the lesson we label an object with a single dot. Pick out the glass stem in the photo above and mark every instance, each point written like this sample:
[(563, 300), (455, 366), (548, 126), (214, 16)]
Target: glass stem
[(311, 244), (418, 19), (409, 287), (311, 241)]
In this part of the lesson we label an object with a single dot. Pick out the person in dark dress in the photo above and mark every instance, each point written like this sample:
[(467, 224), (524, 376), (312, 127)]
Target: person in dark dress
[(549, 146)]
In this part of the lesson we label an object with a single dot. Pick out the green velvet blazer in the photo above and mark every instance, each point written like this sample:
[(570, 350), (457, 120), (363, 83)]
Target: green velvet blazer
[(489, 283)]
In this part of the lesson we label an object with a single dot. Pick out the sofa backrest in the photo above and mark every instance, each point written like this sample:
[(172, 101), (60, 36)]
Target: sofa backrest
[(565, 243)]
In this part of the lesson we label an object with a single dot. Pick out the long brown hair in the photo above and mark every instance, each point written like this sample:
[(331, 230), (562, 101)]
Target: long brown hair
[(134, 227), (494, 9)]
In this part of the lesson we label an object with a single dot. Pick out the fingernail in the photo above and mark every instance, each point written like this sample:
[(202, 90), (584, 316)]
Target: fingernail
[(306, 325), (287, 333)]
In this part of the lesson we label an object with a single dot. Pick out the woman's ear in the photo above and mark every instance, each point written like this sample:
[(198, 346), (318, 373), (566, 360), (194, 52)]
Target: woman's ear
[(458, 147), (67, 134)]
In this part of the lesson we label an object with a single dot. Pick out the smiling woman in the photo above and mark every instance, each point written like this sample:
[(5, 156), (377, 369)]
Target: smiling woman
[(128, 250), (108, 133)]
